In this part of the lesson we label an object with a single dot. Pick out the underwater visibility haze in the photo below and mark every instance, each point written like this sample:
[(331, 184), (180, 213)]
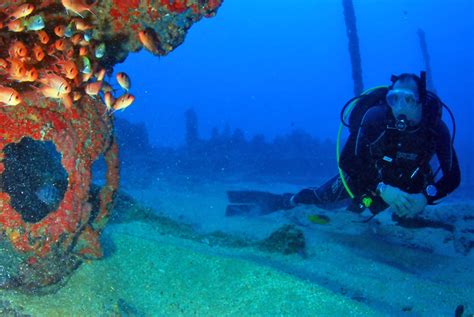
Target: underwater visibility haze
[(236, 158)]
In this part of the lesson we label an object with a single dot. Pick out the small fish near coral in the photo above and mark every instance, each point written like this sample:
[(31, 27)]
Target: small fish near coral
[(319, 219), (60, 60)]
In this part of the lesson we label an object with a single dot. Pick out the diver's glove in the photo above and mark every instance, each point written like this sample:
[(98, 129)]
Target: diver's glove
[(400, 201), (419, 203)]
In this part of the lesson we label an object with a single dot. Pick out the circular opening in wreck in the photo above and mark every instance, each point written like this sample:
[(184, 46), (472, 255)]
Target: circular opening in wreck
[(34, 178)]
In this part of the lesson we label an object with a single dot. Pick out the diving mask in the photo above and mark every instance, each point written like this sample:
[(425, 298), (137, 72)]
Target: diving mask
[(399, 97), (405, 107)]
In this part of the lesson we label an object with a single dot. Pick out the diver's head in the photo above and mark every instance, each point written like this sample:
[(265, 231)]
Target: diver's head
[(404, 98)]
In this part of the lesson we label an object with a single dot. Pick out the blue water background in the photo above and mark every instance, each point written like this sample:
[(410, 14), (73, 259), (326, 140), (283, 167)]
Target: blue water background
[(273, 66)]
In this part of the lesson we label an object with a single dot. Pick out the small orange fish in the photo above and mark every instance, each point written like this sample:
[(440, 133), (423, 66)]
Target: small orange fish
[(123, 102), (38, 53), (87, 77), (17, 69), (9, 96), (16, 26), (22, 11), (56, 82), (83, 51), (100, 74), (76, 38), (69, 69), (59, 30), (93, 89), (77, 6), (83, 42), (123, 80), (109, 100), (81, 25), (43, 37), (31, 75), (150, 41), (60, 45), (18, 50), (76, 95), (67, 101), (50, 92), (3, 63), (15, 63)]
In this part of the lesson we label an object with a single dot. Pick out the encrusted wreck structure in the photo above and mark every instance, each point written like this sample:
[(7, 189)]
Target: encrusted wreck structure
[(54, 124)]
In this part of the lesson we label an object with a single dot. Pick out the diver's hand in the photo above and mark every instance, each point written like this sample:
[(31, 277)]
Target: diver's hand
[(399, 200), (418, 202)]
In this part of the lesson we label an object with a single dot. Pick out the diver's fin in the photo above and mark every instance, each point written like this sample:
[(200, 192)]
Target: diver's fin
[(242, 210), (251, 202)]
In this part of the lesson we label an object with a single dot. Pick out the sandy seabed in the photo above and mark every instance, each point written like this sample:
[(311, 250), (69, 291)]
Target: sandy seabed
[(161, 276), (345, 273)]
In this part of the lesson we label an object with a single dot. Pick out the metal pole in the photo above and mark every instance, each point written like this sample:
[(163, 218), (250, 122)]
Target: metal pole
[(426, 58), (351, 30)]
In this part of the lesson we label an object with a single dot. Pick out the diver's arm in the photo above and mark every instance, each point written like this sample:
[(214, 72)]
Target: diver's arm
[(448, 162)]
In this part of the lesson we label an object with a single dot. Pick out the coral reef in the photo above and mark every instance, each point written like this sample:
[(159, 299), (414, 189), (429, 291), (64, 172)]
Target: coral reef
[(287, 240), (52, 67)]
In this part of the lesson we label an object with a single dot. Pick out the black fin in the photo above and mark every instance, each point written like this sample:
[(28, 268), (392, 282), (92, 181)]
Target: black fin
[(256, 202)]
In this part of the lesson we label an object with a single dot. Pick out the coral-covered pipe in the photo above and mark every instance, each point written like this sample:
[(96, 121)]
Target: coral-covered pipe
[(52, 88)]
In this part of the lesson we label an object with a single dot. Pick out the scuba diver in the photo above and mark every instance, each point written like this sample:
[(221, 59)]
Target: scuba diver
[(395, 132)]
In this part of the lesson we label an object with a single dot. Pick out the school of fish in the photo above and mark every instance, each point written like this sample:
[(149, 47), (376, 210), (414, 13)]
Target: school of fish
[(60, 61)]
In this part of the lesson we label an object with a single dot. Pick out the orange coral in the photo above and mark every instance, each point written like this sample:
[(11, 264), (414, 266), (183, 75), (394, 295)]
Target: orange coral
[(52, 68)]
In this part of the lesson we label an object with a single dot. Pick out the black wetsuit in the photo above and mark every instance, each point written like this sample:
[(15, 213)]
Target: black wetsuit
[(380, 152)]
